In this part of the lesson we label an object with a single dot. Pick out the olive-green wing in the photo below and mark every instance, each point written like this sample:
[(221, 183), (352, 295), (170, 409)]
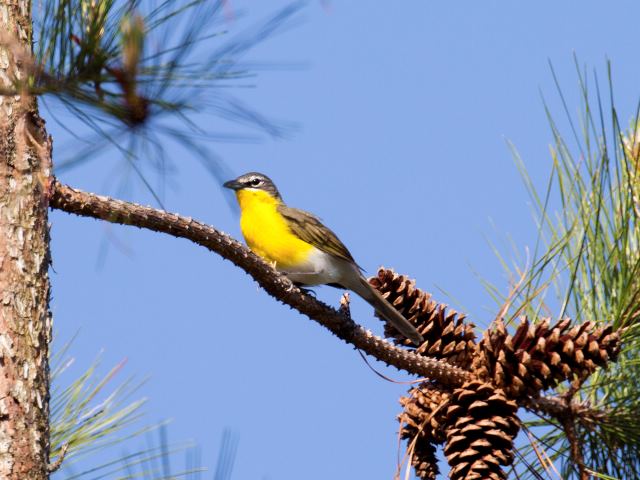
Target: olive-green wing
[(308, 227)]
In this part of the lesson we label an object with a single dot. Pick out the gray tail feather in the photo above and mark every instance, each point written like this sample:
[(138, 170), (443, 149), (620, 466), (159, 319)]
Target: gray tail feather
[(393, 316)]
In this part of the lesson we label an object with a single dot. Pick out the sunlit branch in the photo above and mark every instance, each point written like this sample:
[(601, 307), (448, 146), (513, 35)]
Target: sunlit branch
[(63, 197)]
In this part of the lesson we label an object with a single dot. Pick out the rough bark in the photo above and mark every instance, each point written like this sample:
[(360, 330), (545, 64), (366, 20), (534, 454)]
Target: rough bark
[(25, 321)]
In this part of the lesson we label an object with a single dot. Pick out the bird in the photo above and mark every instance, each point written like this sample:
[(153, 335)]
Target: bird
[(297, 244)]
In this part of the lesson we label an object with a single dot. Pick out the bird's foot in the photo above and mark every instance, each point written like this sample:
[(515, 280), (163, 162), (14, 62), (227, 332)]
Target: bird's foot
[(308, 291), (304, 289), (300, 287)]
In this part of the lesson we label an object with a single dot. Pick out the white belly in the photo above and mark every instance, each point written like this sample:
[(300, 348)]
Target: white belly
[(319, 269)]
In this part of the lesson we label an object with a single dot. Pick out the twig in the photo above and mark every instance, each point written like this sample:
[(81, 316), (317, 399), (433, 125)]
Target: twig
[(52, 467), (560, 408), (279, 286), (345, 305), (575, 451), (568, 412)]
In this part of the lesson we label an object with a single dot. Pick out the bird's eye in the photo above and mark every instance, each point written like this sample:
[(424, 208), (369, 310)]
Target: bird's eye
[(255, 182)]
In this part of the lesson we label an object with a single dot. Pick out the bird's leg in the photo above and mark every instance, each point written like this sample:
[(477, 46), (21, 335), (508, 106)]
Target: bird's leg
[(304, 280), (308, 291)]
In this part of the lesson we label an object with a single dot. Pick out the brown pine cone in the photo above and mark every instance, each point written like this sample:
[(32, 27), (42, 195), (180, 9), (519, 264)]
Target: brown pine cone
[(424, 461), (422, 425), (481, 425), (539, 356), (447, 336)]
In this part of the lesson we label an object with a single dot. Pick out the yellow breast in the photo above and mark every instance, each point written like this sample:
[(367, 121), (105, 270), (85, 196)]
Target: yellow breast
[(266, 231)]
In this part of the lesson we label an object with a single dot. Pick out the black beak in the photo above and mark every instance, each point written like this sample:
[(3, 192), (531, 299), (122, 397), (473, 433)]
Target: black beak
[(233, 185)]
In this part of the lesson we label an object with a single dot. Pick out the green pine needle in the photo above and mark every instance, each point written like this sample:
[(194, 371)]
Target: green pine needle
[(96, 416), (586, 265)]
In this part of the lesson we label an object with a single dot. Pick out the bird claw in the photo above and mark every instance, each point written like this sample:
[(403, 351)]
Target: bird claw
[(291, 286), (308, 291)]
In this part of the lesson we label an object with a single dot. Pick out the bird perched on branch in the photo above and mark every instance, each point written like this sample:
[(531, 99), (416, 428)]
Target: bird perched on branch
[(302, 248)]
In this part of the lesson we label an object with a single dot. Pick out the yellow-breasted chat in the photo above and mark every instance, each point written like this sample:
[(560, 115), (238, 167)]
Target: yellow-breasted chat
[(302, 248)]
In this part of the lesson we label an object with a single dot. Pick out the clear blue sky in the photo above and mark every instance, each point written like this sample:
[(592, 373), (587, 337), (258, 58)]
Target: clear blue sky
[(404, 109)]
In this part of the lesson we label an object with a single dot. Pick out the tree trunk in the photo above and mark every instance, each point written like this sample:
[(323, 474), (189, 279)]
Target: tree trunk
[(25, 321)]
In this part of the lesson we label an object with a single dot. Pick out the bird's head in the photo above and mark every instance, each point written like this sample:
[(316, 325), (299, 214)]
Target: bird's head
[(253, 184)]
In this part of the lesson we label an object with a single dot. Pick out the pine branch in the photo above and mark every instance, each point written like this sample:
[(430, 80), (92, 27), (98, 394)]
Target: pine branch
[(339, 322), (70, 200)]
